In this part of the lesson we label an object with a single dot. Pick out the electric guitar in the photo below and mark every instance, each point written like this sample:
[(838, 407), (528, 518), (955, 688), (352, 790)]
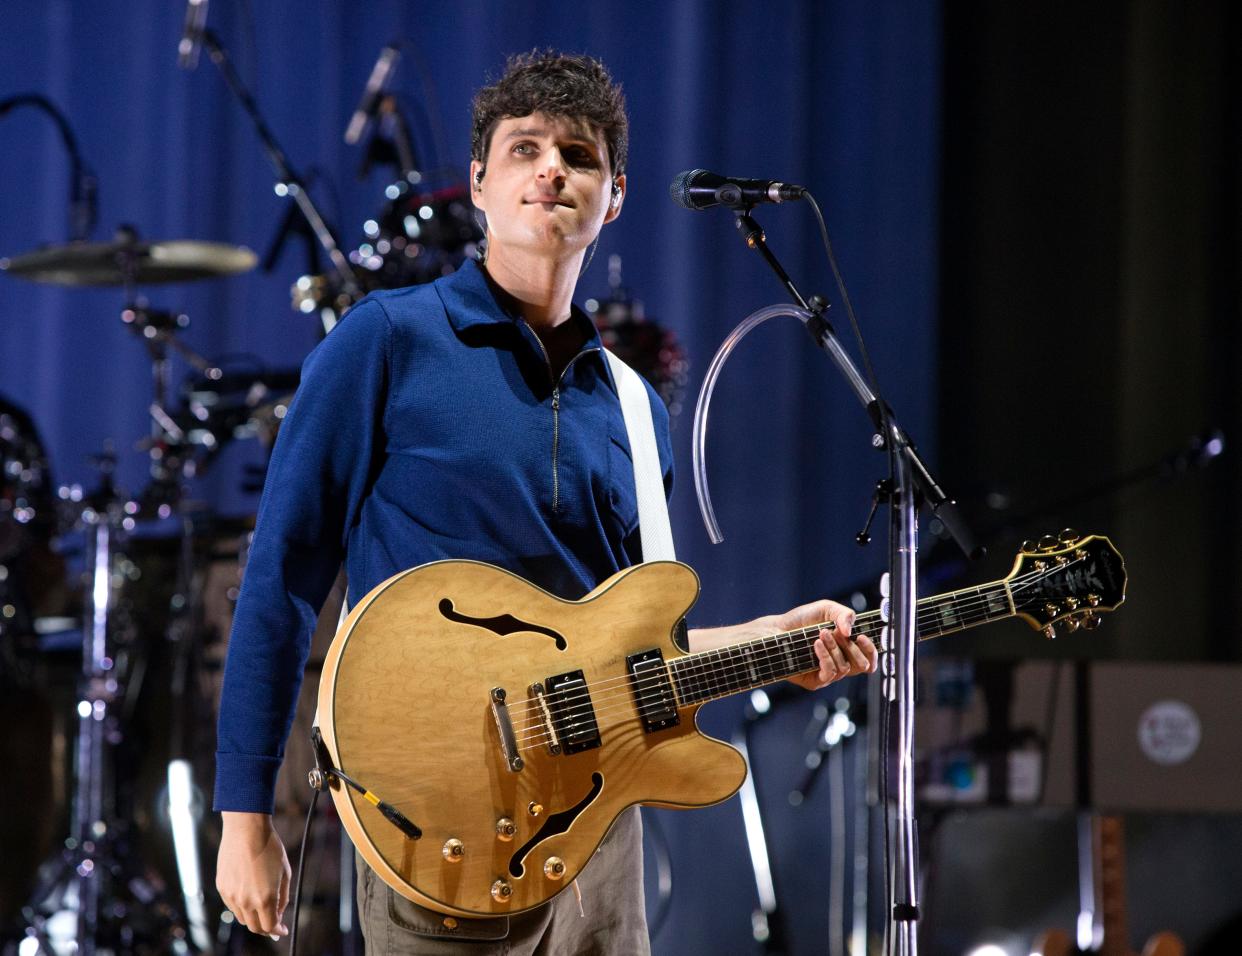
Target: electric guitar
[(480, 735), (1108, 866)]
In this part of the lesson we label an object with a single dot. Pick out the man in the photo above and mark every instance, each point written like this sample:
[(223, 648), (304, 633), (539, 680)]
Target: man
[(475, 417)]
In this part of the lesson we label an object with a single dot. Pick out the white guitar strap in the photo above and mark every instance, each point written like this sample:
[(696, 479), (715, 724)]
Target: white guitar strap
[(653, 523)]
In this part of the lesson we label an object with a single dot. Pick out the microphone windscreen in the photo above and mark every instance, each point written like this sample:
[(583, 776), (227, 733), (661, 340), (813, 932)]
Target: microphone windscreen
[(679, 190)]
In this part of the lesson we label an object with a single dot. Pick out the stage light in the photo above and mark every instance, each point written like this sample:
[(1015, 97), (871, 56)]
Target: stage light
[(988, 949)]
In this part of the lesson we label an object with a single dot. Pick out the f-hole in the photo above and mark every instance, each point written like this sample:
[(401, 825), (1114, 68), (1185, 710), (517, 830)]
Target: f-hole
[(556, 823), (502, 624)]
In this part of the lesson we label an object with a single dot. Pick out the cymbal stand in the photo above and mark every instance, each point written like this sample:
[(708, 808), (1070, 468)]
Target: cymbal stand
[(85, 894), (288, 182), (172, 462)]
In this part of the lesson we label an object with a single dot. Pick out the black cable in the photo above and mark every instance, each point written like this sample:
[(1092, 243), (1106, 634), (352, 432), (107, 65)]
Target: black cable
[(849, 306), (83, 183), (297, 889)]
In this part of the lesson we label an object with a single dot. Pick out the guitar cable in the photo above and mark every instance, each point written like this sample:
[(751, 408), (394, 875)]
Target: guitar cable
[(320, 778), (297, 888)]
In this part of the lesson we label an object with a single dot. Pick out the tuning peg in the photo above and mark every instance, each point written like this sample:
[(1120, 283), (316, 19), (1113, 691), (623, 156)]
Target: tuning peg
[(1090, 620), (1050, 632), (1069, 536), (1029, 546), (1051, 609), (1048, 543), (1072, 624), (1093, 600)]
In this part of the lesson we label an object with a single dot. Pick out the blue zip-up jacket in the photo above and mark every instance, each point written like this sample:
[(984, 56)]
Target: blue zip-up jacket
[(428, 425)]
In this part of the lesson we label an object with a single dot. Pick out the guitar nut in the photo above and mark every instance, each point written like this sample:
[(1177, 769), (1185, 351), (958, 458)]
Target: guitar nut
[(453, 850)]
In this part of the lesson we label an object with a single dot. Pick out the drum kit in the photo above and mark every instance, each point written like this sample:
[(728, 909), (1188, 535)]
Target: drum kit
[(135, 605)]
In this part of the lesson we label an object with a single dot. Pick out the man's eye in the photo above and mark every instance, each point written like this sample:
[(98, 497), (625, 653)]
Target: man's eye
[(523, 148)]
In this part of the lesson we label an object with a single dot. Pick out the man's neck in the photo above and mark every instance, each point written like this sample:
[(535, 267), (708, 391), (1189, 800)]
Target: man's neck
[(542, 289)]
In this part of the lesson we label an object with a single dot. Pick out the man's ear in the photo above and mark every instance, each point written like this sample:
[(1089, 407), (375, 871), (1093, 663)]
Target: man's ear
[(477, 171), (616, 198)]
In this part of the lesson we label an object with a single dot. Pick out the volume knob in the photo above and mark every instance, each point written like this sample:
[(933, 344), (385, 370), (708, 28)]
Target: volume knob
[(554, 868)]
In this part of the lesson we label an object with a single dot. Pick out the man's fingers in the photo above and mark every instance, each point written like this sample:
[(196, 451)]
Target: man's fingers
[(282, 900)]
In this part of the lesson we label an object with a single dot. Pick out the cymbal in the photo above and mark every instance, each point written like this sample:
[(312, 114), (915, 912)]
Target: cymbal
[(128, 261)]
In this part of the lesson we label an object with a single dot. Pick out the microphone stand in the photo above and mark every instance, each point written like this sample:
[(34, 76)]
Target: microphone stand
[(288, 182), (911, 484)]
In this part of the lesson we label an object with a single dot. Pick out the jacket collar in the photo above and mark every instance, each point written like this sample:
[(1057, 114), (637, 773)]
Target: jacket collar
[(469, 302)]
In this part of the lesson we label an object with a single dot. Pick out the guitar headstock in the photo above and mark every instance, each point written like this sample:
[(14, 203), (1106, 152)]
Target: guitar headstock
[(1069, 578)]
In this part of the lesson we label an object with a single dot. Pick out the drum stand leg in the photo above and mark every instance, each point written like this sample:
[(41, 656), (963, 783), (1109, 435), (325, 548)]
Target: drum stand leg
[(82, 893)]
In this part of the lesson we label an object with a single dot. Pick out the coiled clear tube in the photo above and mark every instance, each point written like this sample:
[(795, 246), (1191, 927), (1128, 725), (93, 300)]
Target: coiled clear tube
[(704, 401)]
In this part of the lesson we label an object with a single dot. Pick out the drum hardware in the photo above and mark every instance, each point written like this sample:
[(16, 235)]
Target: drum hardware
[(27, 527), (94, 893), (288, 182), (426, 228), (421, 234), (89, 893), (643, 344), (127, 261)]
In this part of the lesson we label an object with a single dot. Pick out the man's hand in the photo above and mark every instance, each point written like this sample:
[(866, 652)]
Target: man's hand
[(252, 873), (839, 655)]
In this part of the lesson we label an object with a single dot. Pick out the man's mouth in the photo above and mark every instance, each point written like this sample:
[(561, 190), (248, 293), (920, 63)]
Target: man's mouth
[(548, 201)]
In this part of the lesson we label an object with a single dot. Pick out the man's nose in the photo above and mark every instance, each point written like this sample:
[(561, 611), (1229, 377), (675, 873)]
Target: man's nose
[(552, 166)]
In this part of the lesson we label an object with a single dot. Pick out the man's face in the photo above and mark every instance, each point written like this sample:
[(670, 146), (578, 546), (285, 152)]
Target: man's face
[(547, 187)]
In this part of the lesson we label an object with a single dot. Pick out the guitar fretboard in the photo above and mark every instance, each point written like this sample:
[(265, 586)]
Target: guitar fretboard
[(723, 671)]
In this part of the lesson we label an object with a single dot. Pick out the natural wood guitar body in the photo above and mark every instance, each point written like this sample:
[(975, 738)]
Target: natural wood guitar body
[(405, 709)]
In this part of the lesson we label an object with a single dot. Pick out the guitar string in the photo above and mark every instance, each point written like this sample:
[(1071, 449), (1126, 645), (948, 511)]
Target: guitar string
[(707, 666), (706, 675), (691, 679)]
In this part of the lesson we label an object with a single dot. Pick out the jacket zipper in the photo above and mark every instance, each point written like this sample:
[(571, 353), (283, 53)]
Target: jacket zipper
[(555, 381)]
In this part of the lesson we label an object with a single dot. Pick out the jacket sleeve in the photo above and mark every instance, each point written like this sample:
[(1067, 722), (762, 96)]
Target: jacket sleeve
[(323, 464)]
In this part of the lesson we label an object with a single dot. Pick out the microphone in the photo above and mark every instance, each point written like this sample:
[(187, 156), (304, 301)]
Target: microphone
[(368, 106), (700, 189), (192, 34)]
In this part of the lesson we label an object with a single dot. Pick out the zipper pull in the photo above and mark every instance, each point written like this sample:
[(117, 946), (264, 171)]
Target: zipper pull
[(556, 400)]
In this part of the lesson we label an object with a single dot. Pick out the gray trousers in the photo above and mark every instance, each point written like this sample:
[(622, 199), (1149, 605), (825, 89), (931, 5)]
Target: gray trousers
[(612, 921)]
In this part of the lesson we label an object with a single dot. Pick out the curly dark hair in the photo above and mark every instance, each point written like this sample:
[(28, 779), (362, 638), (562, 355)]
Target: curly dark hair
[(565, 85)]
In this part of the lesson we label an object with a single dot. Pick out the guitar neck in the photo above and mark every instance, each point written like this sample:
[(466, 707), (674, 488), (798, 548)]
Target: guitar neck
[(723, 671), (1111, 884)]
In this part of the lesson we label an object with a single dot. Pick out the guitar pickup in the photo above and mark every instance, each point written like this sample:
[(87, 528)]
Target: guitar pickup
[(653, 690), (572, 714)]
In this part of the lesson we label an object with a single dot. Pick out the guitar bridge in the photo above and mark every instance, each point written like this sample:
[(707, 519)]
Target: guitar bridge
[(536, 693)]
